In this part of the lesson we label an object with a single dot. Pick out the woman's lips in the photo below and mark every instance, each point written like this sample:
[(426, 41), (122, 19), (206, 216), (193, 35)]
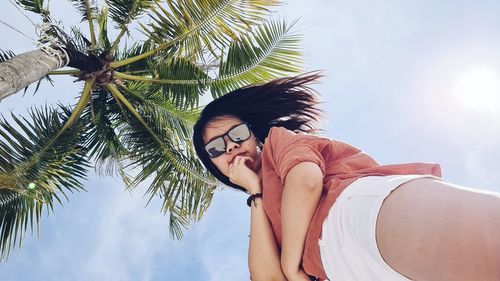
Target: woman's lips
[(232, 160)]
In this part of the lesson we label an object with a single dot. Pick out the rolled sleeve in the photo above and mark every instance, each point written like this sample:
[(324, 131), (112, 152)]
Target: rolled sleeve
[(290, 149), (297, 154)]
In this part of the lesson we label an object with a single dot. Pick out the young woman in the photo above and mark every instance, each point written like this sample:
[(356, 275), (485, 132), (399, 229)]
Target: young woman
[(323, 209)]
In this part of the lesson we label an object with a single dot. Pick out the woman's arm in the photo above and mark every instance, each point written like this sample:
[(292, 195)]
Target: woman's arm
[(263, 253), (301, 194)]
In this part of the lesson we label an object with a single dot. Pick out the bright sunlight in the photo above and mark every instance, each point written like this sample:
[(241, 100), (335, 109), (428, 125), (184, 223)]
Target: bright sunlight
[(479, 89)]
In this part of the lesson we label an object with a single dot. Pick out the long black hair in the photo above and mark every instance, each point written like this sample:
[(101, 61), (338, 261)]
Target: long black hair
[(285, 102)]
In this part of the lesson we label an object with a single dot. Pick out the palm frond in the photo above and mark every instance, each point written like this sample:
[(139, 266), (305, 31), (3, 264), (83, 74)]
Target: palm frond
[(103, 139), (33, 154), (204, 25), (16, 211), (123, 12), (31, 157), (102, 22), (178, 176), (177, 222), (143, 94), (180, 81), (87, 8), (39, 82), (179, 219), (182, 95), (135, 50), (79, 41), (35, 6), (271, 51), (156, 149)]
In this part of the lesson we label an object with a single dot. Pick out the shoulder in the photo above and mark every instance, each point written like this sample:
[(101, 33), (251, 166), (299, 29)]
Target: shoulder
[(282, 136), (283, 149), (278, 135), (281, 140)]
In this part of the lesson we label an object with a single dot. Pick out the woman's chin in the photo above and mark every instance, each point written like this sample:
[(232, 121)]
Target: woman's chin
[(256, 167)]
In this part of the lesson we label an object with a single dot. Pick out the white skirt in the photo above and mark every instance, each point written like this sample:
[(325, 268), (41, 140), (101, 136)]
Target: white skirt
[(348, 247)]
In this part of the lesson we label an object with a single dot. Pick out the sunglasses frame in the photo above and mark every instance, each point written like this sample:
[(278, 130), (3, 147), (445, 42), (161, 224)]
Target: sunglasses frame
[(224, 140)]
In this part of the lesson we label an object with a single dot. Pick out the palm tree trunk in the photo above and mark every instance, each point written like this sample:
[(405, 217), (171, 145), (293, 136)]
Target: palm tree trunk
[(24, 69)]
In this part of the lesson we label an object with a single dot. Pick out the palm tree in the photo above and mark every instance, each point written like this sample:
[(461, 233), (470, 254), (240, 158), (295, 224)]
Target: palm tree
[(138, 103)]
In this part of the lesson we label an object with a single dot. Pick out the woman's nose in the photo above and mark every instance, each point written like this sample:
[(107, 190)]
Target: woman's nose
[(230, 145)]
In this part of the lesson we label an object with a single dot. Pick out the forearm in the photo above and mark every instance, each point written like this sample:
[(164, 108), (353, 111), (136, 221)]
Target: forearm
[(263, 254), (299, 202)]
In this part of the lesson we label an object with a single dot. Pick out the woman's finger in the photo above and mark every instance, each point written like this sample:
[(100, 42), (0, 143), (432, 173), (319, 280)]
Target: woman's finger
[(237, 160)]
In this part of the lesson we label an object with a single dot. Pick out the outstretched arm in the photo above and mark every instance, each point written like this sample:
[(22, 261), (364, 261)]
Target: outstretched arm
[(301, 194), (263, 254)]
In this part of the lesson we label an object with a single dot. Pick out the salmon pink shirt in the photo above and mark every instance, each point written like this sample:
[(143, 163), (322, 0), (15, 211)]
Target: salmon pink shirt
[(340, 163)]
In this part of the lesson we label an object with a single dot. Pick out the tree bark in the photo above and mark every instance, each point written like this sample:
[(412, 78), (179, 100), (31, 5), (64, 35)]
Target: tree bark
[(24, 69)]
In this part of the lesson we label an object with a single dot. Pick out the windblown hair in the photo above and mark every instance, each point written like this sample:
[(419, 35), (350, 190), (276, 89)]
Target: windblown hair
[(285, 102)]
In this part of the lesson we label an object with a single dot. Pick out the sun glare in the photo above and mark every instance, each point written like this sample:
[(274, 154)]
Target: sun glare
[(479, 89)]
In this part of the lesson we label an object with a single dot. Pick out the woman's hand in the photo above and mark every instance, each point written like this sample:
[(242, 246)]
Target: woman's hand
[(240, 174)]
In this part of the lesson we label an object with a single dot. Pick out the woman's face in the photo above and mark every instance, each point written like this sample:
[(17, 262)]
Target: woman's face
[(222, 125)]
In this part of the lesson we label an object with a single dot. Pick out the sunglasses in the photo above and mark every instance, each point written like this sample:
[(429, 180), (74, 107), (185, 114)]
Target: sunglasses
[(238, 134)]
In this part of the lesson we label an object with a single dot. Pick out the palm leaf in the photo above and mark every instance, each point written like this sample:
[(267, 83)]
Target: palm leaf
[(271, 51), (179, 177), (102, 21), (79, 41), (123, 12), (141, 66), (103, 139), (155, 150), (210, 24), (181, 81), (143, 94), (89, 12), (16, 211), (31, 156), (182, 95), (35, 6), (87, 8)]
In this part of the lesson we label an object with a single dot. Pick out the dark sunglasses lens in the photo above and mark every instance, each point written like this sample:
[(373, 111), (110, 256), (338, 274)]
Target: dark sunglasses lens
[(216, 147), (239, 133)]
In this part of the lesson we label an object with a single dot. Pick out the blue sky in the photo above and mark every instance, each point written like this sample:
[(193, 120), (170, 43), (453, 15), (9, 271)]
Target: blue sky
[(390, 69)]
